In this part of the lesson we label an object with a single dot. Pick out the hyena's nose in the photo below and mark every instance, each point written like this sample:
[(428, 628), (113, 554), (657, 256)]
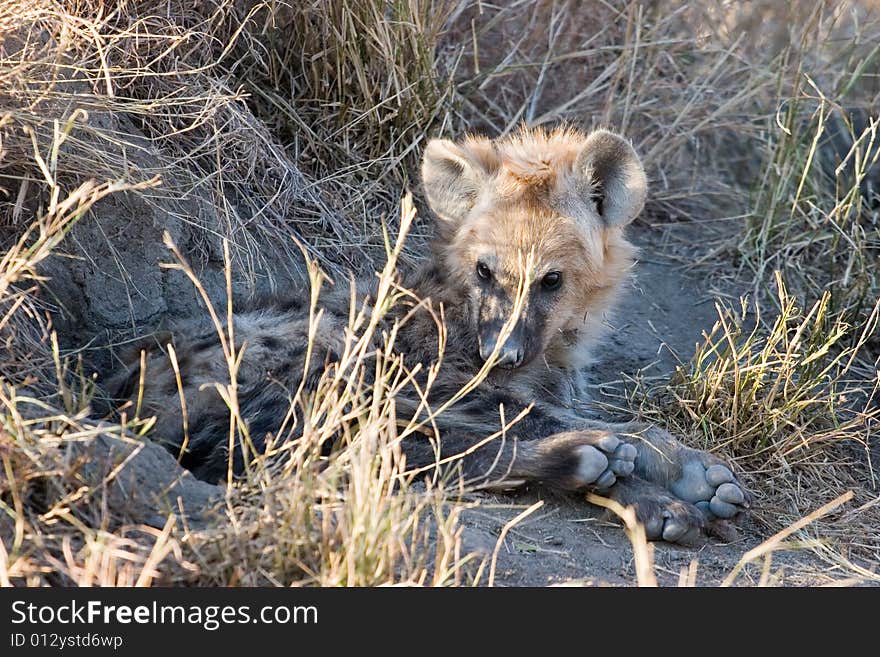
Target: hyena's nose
[(510, 355)]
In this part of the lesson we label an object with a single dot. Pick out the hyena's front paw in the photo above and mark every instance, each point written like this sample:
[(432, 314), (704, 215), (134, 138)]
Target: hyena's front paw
[(710, 485), (669, 519), (603, 460)]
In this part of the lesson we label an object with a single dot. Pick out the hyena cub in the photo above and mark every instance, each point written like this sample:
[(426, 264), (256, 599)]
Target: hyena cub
[(529, 225)]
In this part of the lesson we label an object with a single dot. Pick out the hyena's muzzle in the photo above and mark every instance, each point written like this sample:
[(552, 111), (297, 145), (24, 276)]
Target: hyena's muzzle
[(525, 341)]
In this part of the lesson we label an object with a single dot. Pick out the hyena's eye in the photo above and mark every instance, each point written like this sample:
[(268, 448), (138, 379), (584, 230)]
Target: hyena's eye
[(483, 271), (551, 280)]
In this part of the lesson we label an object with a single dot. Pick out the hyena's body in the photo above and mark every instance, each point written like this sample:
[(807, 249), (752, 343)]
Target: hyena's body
[(541, 214)]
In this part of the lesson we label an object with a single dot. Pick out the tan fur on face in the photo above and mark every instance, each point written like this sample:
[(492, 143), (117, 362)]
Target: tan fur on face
[(532, 193)]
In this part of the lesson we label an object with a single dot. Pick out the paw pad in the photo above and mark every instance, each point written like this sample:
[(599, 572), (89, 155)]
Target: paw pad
[(601, 463), (714, 489)]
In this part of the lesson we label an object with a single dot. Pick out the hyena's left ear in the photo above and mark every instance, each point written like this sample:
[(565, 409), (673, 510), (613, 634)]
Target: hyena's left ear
[(609, 173), (453, 175)]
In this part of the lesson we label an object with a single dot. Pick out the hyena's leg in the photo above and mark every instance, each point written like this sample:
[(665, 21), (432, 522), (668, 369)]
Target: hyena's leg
[(691, 475), (572, 460)]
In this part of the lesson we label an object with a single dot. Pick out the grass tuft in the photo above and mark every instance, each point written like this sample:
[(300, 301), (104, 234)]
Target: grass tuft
[(777, 394)]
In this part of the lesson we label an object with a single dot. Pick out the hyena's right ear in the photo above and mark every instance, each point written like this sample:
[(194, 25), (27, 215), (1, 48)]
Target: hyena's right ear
[(453, 175)]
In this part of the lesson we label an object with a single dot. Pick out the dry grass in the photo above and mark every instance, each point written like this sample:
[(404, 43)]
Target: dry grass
[(149, 88), (815, 217), (794, 402), (355, 82), (777, 394), (246, 128)]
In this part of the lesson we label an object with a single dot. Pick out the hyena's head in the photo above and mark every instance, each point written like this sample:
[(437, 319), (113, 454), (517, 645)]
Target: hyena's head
[(537, 217)]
